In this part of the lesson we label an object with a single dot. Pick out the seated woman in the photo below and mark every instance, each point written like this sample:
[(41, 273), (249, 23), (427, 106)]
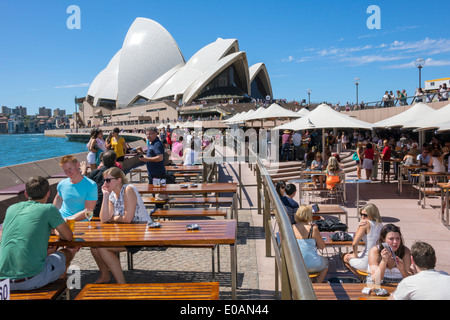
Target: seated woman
[(385, 268), (317, 165), (121, 204), (309, 240), (332, 172), (369, 231)]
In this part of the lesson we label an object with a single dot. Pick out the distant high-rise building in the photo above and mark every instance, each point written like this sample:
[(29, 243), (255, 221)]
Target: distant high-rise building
[(6, 110), (43, 111), (59, 113)]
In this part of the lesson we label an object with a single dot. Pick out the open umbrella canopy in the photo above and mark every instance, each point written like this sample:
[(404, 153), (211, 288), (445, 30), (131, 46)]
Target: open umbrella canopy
[(417, 111), (433, 120), (274, 111), (324, 117), (303, 112), (235, 117), (257, 112), (243, 115)]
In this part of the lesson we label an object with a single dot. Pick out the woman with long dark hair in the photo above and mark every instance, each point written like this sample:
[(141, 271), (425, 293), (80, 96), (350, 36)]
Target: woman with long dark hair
[(388, 266)]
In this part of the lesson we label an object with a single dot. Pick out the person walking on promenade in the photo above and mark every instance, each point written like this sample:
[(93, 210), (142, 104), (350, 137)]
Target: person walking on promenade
[(155, 156), (427, 283), (76, 193), (24, 258), (118, 145)]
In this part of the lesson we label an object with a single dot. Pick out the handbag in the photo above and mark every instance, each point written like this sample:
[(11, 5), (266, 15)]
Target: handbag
[(341, 236), (355, 157), (330, 225)]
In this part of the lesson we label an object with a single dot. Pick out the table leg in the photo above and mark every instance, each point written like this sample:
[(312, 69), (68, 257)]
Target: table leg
[(357, 199), (233, 259), (446, 207), (235, 207)]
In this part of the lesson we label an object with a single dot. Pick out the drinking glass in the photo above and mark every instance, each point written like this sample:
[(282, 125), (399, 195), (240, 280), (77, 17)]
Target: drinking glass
[(89, 214)]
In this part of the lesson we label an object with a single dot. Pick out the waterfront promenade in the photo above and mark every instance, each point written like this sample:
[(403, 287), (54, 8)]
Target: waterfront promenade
[(256, 279)]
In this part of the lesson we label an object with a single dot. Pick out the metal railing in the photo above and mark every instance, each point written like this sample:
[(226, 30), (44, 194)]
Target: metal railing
[(289, 266)]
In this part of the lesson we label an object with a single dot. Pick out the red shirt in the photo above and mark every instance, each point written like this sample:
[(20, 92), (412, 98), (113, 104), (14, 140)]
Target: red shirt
[(386, 154), (368, 154)]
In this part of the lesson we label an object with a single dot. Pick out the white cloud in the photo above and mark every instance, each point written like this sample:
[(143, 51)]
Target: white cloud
[(412, 64), (427, 46), (289, 59), (357, 61), (80, 85)]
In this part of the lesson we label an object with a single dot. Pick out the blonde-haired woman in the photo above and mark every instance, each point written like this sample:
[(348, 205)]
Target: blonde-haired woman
[(368, 230), (309, 240), (332, 172), (121, 204)]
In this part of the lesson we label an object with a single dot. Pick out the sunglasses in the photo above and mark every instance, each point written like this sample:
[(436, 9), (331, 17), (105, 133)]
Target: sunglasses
[(108, 180)]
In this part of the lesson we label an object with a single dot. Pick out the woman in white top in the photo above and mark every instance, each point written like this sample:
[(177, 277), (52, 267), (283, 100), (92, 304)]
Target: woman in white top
[(121, 204), (384, 266), (190, 155), (437, 161), (369, 231), (93, 148)]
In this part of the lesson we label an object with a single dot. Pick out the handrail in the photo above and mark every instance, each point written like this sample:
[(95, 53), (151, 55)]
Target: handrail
[(296, 284), (293, 268)]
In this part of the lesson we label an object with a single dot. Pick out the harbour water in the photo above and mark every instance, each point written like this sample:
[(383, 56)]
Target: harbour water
[(21, 148)]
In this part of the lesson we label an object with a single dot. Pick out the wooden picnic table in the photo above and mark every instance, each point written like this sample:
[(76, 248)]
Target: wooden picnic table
[(188, 188), (326, 235), (171, 233), (430, 190), (332, 209), (348, 291), (403, 167), (197, 169)]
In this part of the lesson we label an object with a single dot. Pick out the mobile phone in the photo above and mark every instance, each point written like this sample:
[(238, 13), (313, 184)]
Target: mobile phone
[(153, 224)]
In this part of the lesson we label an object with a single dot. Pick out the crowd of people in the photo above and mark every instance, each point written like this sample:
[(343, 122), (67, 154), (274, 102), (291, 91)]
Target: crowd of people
[(97, 185), (412, 268)]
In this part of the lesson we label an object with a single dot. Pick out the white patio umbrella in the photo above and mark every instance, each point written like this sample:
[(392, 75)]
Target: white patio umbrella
[(242, 116), (233, 118), (433, 120), (417, 111), (444, 126), (274, 111), (303, 112), (324, 117)]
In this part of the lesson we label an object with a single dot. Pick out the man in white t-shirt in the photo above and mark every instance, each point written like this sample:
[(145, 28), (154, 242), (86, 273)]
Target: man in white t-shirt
[(427, 283)]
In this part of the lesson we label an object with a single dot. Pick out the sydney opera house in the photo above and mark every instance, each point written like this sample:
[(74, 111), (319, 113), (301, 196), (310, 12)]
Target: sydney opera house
[(148, 79)]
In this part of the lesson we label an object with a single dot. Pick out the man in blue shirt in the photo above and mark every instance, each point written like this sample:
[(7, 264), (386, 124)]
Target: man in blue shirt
[(155, 156), (75, 193)]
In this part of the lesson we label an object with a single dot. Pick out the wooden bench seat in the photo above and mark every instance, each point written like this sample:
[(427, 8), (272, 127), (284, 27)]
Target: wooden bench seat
[(214, 248), (151, 291), (49, 292), (189, 200), (188, 212)]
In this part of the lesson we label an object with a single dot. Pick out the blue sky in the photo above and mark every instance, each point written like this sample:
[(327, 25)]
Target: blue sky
[(304, 44)]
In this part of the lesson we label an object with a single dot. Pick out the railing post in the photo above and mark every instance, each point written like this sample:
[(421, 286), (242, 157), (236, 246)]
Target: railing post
[(266, 217)]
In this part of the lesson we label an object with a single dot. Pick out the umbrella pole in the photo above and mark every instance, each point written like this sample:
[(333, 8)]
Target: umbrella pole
[(323, 143)]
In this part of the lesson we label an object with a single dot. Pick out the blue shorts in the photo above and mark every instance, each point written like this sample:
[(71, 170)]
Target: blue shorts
[(54, 268)]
